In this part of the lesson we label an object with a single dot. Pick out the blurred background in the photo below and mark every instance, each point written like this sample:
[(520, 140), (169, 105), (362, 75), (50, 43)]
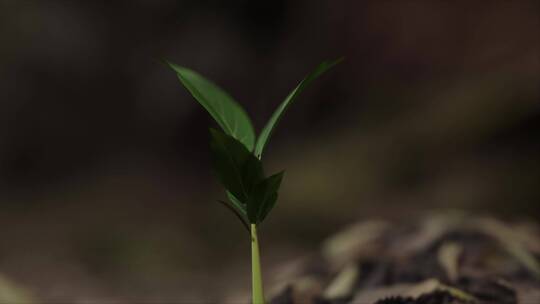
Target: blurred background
[(106, 192)]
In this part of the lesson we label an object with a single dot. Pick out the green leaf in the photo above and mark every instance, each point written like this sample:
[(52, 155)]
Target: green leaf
[(237, 203), (276, 117), (263, 198), (237, 168), (272, 186), (230, 116), (237, 213)]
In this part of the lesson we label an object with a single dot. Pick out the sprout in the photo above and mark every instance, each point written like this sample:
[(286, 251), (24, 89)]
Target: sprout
[(237, 153)]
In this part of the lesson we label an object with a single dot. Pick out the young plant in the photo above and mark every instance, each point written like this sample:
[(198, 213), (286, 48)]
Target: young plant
[(236, 155)]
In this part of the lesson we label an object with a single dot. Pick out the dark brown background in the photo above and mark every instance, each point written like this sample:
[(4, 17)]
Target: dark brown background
[(105, 188)]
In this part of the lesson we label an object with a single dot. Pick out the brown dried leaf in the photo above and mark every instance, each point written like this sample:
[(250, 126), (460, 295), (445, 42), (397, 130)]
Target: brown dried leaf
[(343, 284), (431, 229), (448, 256), (411, 291), (352, 242), (511, 242)]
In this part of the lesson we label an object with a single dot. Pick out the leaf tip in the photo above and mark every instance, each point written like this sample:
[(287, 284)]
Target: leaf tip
[(331, 63), (280, 175), (168, 63)]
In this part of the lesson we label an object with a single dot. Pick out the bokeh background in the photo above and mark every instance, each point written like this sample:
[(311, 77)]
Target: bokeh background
[(106, 193)]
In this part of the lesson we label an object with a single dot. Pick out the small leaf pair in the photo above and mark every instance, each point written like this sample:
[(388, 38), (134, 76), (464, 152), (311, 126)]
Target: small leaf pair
[(236, 152), (251, 194)]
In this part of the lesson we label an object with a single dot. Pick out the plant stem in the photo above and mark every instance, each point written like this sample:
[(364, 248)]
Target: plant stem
[(256, 275)]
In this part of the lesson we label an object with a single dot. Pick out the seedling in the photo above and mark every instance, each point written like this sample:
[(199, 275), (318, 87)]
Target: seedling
[(236, 155)]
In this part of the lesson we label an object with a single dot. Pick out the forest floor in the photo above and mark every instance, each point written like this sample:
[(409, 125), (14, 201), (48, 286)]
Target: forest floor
[(439, 259)]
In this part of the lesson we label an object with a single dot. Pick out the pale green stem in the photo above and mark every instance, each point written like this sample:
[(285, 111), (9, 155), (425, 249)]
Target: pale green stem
[(256, 275)]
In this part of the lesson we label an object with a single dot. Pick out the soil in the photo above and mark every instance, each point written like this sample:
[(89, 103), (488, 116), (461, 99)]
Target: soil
[(450, 258)]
